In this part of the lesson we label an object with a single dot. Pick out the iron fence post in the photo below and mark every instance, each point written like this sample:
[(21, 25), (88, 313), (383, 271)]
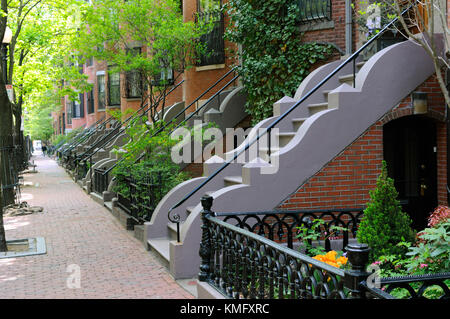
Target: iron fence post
[(358, 256), (205, 245)]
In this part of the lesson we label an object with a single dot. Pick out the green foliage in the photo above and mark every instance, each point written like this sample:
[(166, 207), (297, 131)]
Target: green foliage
[(316, 232), (274, 58), (56, 139), (430, 254), (371, 17), (157, 159), (167, 42), (384, 224)]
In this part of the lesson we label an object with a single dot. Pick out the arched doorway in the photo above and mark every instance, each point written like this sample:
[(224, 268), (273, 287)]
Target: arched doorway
[(409, 145)]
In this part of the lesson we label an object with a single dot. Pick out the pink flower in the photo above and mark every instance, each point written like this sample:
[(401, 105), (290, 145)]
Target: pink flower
[(423, 266), (376, 262)]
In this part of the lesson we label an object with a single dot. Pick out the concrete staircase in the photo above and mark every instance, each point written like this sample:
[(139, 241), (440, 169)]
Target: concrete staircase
[(309, 137), (226, 111)]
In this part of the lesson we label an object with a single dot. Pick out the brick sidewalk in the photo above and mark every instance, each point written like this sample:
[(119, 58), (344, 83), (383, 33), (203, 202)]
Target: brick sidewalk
[(113, 264)]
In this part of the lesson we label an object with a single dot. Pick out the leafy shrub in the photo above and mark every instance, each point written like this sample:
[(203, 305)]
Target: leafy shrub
[(439, 215), (156, 161), (384, 225)]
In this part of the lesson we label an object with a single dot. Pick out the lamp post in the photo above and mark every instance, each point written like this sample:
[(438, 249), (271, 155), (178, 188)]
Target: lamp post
[(6, 40)]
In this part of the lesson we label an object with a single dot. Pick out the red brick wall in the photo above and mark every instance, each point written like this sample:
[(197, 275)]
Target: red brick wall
[(336, 34), (346, 180), (198, 81)]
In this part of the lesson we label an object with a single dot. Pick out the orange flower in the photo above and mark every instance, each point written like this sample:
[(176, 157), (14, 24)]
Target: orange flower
[(342, 260), (330, 259)]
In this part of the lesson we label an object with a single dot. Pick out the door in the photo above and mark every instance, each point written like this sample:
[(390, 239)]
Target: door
[(410, 153)]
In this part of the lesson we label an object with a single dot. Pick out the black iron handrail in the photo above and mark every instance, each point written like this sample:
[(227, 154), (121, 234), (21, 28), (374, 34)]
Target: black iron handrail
[(122, 129), (176, 217), (198, 109), (100, 123), (91, 131), (119, 130)]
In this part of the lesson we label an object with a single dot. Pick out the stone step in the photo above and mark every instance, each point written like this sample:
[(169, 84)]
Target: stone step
[(297, 122), (285, 137), (348, 78), (318, 107), (161, 248), (189, 209), (96, 197), (108, 205), (232, 180)]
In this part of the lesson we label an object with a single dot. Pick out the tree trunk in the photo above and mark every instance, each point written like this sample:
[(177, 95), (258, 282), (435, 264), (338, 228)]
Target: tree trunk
[(3, 246)]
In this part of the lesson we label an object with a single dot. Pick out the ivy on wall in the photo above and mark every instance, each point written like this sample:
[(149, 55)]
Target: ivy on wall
[(274, 58)]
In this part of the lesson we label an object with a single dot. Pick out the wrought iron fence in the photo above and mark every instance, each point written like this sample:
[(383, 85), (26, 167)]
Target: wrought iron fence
[(9, 179), (312, 10), (100, 182), (282, 226), (242, 264), (140, 195)]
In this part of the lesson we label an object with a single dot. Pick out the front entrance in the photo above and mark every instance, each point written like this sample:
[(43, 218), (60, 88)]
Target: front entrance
[(410, 153)]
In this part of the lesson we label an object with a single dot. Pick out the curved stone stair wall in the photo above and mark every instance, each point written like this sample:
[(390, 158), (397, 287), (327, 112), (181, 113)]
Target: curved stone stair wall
[(315, 133)]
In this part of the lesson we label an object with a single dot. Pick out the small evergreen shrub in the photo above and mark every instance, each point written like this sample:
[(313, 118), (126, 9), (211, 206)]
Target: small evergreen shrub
[(384, 224)]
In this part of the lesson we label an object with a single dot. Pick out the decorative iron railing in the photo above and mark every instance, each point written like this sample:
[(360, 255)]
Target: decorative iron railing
[(213, 40), (9, 184), (100, 182), (140, 195), (313, 10), (242, 264), (282, 226)]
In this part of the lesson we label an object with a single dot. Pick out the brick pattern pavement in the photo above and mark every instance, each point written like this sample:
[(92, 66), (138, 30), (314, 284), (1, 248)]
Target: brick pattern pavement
[(77, 230)]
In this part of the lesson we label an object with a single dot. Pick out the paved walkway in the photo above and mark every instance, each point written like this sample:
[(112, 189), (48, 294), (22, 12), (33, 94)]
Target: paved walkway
[(78, 231)]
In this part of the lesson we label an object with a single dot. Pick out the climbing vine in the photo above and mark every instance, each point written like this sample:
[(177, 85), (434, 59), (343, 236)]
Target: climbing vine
[(275, 59)]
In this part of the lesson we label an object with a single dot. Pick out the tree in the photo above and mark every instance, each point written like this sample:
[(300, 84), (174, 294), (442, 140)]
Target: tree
[(425, 23), (146, 40), (384, 224), (39, 30)]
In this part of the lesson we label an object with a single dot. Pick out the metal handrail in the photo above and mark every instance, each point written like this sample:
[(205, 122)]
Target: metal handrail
[(184, 110), (176, 218), (100, 123), (115, 133)]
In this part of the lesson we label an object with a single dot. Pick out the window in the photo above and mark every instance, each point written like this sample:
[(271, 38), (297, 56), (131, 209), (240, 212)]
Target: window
[(208, 5), (81, 96), (209, 11), (165, 77), (90, 102), (311, 10), (69, 112), (101, 91), (89, 61), (114, 88), (134, 85), (78, 107)]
